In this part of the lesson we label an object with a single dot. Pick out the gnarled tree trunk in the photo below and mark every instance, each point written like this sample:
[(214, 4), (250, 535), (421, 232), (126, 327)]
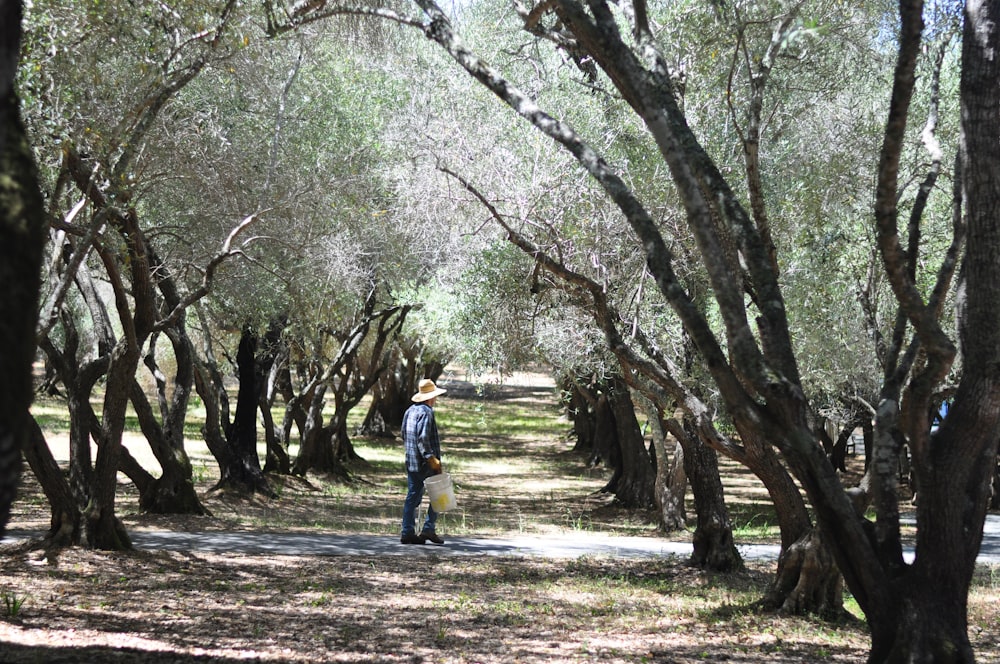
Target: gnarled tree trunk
[(390, 397), (65, 524), (636, 478), (671, 479), (714, 547), (22, 235), (318, 451), (582, 411), (240, 464), (173, 492)]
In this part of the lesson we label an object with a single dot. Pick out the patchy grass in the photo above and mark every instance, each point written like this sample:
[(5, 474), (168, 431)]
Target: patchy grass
[(514, 475), (172, 607)]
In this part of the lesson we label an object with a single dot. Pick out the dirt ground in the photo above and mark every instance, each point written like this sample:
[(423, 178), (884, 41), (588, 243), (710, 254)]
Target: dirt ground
[(79, 605)]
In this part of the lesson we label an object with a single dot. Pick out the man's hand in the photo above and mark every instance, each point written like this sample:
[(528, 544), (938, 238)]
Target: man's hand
[(435, 464)]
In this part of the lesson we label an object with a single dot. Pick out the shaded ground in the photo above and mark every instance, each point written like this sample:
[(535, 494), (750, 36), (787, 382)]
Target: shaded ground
[(515, 478), (168, 607)]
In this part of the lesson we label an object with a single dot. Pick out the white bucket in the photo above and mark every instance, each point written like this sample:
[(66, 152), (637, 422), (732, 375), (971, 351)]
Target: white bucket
[(441, 491)]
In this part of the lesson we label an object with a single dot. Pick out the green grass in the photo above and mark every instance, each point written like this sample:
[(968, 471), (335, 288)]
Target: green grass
[(12, 604), (753, 522), (514, 475)]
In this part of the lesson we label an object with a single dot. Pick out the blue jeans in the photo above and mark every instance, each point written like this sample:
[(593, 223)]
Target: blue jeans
[(414, 494)]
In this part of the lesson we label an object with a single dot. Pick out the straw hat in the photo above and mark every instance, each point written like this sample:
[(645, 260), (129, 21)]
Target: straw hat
[(428, 390)]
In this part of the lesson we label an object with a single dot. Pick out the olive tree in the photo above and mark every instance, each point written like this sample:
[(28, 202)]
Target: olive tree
[(916, 610), (22, 227), (98, 113)]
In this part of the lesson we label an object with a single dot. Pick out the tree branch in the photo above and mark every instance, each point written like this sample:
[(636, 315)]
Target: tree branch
[(224, 253), (659, 371)]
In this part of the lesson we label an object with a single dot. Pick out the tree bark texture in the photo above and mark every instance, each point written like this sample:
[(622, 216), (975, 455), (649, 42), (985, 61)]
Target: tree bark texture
[(208, 383), (808, 580), (637, 478), (390, 397), (65, 525), (318, 452), (101, 525), (272, 368), (671, 479), (173, 492), (714, 547), (242, 471), (22, 236), (78, 381), (582, 412), (607, 449)]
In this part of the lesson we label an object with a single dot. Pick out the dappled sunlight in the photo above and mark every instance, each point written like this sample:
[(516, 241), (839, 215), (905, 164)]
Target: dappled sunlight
[(472, 609), (574, 578)]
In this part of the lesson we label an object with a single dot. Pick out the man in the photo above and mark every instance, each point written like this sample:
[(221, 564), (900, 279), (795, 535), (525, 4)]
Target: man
[(423, 459)]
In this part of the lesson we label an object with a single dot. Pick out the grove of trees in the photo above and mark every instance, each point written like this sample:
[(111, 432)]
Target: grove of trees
[(735, 221)]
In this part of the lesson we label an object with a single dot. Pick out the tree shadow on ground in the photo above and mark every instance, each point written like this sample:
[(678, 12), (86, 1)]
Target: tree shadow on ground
[(75, 655)]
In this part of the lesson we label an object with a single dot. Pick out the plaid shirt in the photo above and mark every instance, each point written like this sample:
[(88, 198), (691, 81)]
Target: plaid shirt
[(420, 436)]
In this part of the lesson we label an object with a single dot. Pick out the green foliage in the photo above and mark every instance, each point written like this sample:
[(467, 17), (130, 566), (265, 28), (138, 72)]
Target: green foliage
[(496, 310), (12, 603)]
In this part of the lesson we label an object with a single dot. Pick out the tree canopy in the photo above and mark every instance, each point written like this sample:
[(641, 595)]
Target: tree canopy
[(754, 215)]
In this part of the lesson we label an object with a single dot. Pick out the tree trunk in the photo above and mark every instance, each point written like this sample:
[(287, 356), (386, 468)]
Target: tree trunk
[(79, 377), (141, 478), (582, 411), (317, 452), (606, 446), (173, 492), (343, 447), (637, 479), (376, 423), (390, 399), (78, 381), (923, 616), (277, 459), (838, 455), (101, 525), (808, 581), (242, 472), (81, 417), (272, 362), (295, 407), (65, 524), (671, 479), (325, 447), (714, 547), (208, 385), (22, 235), (868, 432), (675, 488)]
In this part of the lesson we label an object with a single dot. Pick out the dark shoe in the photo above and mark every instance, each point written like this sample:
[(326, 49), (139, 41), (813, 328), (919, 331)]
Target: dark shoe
[(431, 536), (412, 539)]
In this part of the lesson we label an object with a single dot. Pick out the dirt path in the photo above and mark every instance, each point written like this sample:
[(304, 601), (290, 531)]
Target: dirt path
[(555, 547)]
